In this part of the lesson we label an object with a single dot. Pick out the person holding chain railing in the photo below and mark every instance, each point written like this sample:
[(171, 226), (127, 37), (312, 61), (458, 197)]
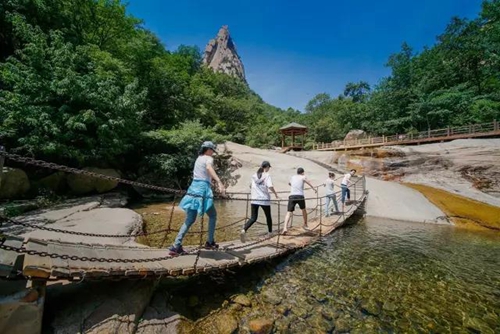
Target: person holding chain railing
[(330, 195), (260, 186), (344, 186), (199, 198), (297, 197)]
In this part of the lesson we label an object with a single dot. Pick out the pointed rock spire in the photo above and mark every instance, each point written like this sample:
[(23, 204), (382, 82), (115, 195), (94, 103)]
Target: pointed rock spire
[(221, 55)]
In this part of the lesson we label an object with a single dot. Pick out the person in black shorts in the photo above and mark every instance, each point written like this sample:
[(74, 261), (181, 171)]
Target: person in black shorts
[(297, 197)]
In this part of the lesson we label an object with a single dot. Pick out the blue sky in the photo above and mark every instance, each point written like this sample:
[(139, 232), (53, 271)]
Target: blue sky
[(293, 50)]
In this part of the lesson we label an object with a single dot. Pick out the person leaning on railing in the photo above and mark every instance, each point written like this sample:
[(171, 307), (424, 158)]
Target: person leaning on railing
[(199, 198), (344, 186)]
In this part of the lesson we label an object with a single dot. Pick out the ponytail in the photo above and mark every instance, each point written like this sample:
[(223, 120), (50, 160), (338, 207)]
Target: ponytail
[(259, 172)]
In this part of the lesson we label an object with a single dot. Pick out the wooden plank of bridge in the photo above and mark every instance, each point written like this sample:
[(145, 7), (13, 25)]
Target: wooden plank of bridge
[(218, 260), (208, 260), (60, 267), (8, 258), (35, 265)]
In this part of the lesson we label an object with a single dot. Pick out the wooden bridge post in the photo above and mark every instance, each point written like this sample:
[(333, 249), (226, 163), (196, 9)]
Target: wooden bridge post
[(321, 214), (495, 125), (448, 131), (2, 160)]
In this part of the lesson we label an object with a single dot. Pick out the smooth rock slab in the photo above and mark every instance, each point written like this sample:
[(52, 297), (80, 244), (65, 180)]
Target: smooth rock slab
[(102, 221), (98, 307), (158, 318)]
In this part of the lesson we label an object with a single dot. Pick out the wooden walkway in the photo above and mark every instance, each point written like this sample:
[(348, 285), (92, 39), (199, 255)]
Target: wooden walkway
[(431, 136), (231, 254)]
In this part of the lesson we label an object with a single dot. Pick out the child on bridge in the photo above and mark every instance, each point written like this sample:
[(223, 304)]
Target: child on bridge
[(261, 184), (199, 198)]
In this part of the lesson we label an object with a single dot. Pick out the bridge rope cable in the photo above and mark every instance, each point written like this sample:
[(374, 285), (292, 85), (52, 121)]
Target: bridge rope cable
[(195, 251)]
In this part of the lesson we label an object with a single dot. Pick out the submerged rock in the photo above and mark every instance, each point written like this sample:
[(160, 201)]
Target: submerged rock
[(261, 326), (242, 300), (226, 324), (271, 297)]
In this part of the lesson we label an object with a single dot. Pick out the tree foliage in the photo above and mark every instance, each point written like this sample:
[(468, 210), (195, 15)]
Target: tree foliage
[(455, 82)]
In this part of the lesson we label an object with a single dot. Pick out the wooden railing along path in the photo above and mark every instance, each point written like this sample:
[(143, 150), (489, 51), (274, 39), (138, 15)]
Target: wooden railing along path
[(429, 136)]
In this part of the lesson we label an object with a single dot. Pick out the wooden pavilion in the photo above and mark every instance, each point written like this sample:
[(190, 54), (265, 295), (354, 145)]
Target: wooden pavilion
[(292, 130)]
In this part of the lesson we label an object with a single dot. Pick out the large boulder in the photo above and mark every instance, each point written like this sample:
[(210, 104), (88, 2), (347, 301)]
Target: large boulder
[(82, 184), (355, 134), (14, 183), (55, 182)]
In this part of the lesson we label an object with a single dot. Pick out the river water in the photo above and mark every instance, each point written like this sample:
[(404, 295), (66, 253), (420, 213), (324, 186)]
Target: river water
[(371, 276)]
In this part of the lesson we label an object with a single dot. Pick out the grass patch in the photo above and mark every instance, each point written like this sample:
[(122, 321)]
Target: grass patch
[(463, 211)]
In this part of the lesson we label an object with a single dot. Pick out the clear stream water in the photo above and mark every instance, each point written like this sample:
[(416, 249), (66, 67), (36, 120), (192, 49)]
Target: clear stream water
[(371, 276)]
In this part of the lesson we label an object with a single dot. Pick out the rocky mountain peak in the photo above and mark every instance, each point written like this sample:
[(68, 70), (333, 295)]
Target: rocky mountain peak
[(221, 55)]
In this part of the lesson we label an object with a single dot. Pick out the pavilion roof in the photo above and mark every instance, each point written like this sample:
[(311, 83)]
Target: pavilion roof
[(293, 125)]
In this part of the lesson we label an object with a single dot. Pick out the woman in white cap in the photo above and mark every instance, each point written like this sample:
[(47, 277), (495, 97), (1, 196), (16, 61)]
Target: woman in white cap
[(199, 198), (261, 184)]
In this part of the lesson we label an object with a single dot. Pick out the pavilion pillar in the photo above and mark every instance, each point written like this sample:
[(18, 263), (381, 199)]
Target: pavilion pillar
[(282, 140), (293, 138)]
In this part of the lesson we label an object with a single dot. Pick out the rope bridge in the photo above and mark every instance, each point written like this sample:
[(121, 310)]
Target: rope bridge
[(55, 259)]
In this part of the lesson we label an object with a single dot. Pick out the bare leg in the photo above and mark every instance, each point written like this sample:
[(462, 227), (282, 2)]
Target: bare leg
[(287, 220), (304, 215)]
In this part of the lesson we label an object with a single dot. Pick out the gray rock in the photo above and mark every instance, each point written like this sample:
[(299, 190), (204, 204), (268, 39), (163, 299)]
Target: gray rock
[(99, 220), (271, 297), (158, 318), (55, 182), (355, 134), (221, 56), (82, 184), (98, 307), (242, 300), (14, 183), (226, 324)]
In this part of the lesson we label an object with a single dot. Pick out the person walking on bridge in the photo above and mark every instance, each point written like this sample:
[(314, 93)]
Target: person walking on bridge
[(344, 186), (330, 194), (260, 185), (199, 198), (297, 197)]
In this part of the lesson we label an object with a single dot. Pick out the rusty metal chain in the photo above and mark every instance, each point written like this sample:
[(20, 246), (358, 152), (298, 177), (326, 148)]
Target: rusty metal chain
[(66, 169), (85, 258), (98, 235)]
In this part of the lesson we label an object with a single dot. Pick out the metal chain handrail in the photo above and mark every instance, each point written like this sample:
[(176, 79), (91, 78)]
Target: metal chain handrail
[(97, 259), (100, 235), (66, 169)]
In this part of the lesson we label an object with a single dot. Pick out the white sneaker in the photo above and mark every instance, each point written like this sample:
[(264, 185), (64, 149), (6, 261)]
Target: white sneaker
[(243, 235)]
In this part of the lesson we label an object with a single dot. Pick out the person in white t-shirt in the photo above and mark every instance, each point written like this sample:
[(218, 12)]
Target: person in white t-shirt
[(297, 197), (199, 198), (344, 186), (330, 194), (261, 184)]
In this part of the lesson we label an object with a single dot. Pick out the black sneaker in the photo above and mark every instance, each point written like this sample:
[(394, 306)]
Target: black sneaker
[(212, 245), (176, 251)]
